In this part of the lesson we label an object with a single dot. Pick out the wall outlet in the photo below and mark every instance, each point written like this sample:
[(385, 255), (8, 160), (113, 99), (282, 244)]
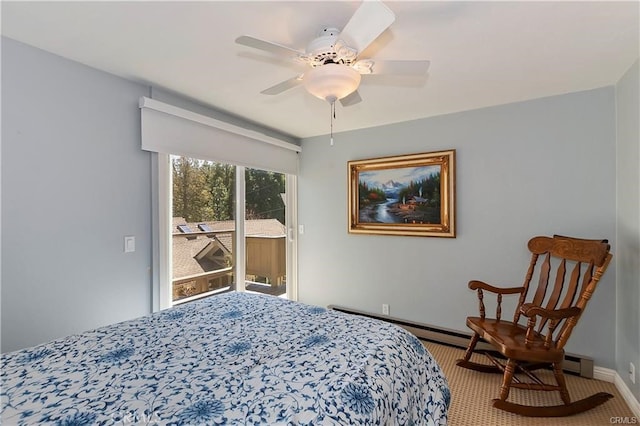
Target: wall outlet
[(385, 309), (632, 373)]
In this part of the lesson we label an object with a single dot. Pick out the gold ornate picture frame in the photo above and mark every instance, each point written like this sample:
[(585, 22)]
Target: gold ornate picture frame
[(410, 195)]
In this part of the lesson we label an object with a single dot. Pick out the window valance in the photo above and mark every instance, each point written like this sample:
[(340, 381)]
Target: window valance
[(173, 130)]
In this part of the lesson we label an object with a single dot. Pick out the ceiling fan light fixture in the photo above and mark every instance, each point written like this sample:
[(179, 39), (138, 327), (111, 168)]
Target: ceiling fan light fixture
[(331, 82)]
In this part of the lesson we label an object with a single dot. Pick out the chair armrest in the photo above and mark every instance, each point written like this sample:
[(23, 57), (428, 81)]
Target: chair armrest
[(528, 310), (480, 286), (551, 317), (475, 285)]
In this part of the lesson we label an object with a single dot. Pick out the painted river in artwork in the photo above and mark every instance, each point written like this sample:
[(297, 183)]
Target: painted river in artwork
[(383, 214), (392, 211)]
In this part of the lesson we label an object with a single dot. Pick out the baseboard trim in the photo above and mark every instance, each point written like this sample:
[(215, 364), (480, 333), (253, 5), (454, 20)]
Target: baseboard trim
[(612, 376), (604, 374)]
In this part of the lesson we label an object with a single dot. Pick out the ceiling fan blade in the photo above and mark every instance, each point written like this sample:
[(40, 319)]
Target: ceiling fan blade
[(395, 67), (351, 99), (283, 86), (366, 24), (270, 47)]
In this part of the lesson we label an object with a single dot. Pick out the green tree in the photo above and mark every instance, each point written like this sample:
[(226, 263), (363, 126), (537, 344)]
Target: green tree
[(263, 195), (221, 185), (191, 198)]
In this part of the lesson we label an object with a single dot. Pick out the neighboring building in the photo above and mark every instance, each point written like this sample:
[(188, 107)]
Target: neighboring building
[(203, 254)]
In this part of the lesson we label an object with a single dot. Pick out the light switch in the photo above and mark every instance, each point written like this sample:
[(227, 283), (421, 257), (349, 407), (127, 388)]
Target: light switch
[(129, 243)]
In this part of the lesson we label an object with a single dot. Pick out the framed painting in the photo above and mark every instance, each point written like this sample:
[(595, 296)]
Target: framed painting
[(403, 195)]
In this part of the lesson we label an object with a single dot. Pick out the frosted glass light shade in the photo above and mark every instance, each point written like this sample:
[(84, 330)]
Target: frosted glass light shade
[(331, 82)]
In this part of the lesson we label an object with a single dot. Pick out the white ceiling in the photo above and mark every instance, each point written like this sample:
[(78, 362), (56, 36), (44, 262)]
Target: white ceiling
[(481, 53)]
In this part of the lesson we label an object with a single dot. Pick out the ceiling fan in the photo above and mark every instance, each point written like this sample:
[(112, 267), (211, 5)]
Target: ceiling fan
[(336, 68)]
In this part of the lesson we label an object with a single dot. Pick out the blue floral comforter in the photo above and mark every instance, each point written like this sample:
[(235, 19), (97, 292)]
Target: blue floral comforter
[(237, 359)]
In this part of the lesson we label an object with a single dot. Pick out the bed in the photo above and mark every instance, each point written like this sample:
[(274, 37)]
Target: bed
[(235, 358)]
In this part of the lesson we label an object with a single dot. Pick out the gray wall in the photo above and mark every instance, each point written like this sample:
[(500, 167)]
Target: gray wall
[(74, 183), (533, 168), (628, 227)]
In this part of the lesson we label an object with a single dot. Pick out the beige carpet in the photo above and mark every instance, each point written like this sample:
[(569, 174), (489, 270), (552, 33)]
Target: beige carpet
[(472, 393)]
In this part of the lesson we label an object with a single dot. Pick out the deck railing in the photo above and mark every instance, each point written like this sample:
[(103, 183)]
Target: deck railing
[(193, 285)]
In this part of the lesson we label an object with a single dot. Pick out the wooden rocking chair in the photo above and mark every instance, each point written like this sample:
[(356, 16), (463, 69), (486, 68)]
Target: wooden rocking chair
[(527, 347)]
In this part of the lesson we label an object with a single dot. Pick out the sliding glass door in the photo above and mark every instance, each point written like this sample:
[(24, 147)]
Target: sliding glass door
[(265, 233)]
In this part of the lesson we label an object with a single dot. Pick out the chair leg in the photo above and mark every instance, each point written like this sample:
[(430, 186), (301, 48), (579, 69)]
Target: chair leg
[(471, 347), (467, 363), (509, 370), (564, 393)]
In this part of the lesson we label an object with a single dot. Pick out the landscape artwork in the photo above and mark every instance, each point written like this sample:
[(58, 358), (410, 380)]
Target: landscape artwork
[(404, 195)]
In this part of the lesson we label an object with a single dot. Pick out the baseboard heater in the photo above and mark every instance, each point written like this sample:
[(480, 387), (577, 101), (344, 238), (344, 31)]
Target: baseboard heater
[(575, 364)]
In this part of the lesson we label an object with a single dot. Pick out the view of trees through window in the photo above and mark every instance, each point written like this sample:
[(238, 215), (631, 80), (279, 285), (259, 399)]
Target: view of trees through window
[(203, 228), (202, 190), (205, 191)]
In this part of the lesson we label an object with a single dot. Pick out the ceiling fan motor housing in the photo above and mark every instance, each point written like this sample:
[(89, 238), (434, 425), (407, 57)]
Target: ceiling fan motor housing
[(328, 49), (331, 82), (321, 49)]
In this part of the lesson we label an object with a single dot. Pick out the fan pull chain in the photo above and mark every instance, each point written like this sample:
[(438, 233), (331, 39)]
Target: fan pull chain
[(333, 116)]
